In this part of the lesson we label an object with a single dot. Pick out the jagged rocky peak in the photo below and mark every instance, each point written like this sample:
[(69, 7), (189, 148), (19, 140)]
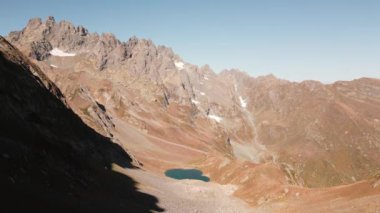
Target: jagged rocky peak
[(205, 72), (39, 38), (147, 46), (144, 47), (233, 71), (110, 39), (141, 57), (168, 51), (233, 76), (50, 21), (206, 68), (34, 23)]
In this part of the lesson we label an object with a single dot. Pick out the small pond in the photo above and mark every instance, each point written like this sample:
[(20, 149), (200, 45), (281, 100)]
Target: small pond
[(180, 174)]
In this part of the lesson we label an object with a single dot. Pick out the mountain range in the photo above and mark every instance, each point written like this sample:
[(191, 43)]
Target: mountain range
[(79, 108)]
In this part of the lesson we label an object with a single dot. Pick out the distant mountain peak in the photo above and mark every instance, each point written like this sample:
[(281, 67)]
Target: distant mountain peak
[(38, 38)]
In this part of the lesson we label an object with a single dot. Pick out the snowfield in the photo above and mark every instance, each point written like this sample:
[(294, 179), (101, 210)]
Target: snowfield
[(179, 64), (60, 53), (216, 118), (243, 102), (194, 101)]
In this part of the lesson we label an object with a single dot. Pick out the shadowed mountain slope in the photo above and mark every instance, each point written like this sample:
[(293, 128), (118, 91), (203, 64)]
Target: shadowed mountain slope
[(50, 160)]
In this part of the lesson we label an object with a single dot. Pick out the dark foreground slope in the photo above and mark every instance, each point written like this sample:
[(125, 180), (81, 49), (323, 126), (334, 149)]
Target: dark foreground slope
[(50, 161)]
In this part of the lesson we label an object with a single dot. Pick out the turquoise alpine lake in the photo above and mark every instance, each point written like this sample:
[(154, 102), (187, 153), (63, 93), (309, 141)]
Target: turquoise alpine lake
[(181, 174)]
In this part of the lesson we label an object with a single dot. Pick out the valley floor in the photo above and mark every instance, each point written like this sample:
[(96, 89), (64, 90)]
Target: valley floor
[(187, 195)]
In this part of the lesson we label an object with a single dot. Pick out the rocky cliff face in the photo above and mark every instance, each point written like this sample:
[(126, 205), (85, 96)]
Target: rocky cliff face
[(39, 38), (170, 113)]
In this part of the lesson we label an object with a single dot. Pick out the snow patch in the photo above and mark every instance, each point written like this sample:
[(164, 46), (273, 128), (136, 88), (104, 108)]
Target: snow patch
[(194, 101), (60, 53), (243, 102), (205, 77), (202, 93), (179, 64), (54, 66), (216, 118)]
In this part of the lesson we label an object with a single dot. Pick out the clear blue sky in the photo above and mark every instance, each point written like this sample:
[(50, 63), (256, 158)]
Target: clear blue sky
[(323, 40)]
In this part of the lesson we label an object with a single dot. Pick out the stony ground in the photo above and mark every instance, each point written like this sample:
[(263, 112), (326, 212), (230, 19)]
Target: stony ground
[(187, 195)]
